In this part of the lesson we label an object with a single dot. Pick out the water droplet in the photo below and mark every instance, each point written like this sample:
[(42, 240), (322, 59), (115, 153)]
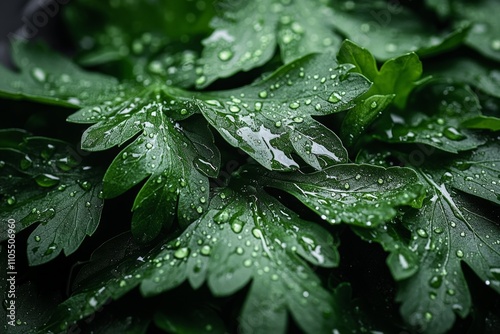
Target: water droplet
[(438, 230), (428, 316), (46, 180), (257, 233), (39, 74), (294, 105), (236, 227), (149, 146), (199, 210), (37, 238), (436, 281), (85, 185), (335, 97), (205, 250), (181, 253), (380, 181), (87, 204), (247, 263), (422, 233), (258, 106), (460, 254), (277, 124), (234, 109), (347, 186), (124, 155), (373, 105), (2, 163), (51, 249), (263, 94), (440, 121), (47, 152), (239, 250), (495, 44), (225, 55), (201, 80), (358, 176), (298, 119), (453, 134), (25, 163)]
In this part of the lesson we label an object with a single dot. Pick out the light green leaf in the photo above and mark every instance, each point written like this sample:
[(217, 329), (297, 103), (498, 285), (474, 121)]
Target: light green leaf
[(483, 122), (360, 195), (396, 76), (247, 32), (437, 112), (392, 84), (44, 181), (271, 119)]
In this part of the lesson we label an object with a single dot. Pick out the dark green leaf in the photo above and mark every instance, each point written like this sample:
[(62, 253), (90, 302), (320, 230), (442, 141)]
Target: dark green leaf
[(244, 235), (437, 112), (271, 119), (391, 29), (361, 195), (447, 230), (483, 15), (45, 181), (247, 32), (50, 78)]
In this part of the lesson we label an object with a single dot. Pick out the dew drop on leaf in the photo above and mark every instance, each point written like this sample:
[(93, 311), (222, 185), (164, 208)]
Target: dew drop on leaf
[(335, 97), (11, 200), (205, 250), (181, 253), (25, 163), (453, 134), (225, 55), (85, 185), (436, 281), (46, 180), (422, 233), (234, 109)]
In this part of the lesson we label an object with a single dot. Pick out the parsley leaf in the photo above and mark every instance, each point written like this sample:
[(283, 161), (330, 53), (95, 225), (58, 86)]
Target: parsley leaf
[(360, 195), (271, 119), (390, 29), (42, 180), (438, 110), (246, 34)]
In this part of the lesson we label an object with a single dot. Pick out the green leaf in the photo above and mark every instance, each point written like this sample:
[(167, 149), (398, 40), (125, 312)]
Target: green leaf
[(271, 119), (246, 34), (392, 84), (483, 122), (48, 77), (164, 154), (484, 33), (438, 110), (245, 235), (482, 75), (44, 181), (476, 173), (448, 229), (360, 195), (391, 29), (402, 261)]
